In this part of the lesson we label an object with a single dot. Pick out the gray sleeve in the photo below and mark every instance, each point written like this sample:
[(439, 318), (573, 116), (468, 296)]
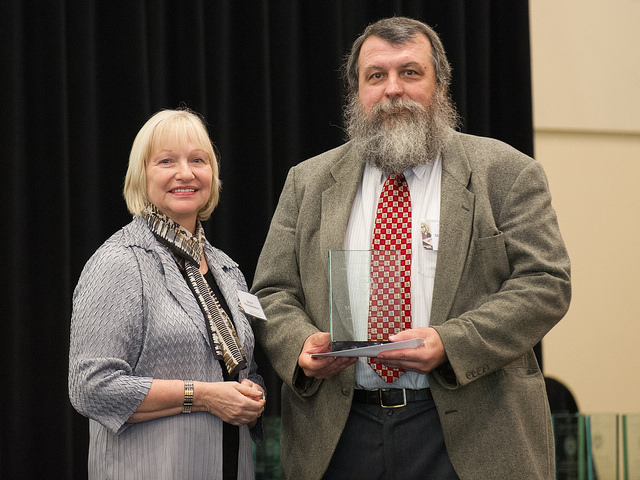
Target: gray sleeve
[(107, 331), (517, 282)]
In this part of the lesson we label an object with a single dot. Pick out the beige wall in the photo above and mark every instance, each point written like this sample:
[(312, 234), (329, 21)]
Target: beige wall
[(586, 90)]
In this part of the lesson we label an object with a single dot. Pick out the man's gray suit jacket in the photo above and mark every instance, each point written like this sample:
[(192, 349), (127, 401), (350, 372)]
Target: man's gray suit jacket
[(502, 282)]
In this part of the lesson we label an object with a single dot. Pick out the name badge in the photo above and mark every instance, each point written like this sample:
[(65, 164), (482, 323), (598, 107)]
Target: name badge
[(430, 231), (251, 305)]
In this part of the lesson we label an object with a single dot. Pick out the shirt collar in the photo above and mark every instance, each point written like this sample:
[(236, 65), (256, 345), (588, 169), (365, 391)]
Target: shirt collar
[(420, 172)]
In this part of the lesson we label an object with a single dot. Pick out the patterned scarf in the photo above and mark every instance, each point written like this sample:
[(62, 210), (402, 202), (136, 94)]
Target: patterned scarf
[(187, 250)]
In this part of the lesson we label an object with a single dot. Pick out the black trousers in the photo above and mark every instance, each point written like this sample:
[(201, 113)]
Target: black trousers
[(388, 444)]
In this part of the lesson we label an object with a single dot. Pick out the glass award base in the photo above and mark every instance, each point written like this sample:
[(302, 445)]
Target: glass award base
[(349, 345), (368, 348)]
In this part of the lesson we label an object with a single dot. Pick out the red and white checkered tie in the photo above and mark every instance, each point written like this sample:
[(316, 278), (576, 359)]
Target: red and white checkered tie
[(390, 300)]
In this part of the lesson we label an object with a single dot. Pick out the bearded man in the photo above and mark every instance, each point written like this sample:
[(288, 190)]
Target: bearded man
[(485, 275)]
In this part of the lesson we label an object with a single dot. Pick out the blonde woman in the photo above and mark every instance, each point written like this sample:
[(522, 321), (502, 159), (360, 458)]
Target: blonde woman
[(161, 355)]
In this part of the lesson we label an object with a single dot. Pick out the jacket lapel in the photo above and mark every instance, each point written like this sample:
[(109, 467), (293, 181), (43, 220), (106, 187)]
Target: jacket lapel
[(228, 284), (456, 221), (177, 286), (337, 201)]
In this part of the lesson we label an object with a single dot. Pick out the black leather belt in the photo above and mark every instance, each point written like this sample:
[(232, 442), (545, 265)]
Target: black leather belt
[(391, 397)]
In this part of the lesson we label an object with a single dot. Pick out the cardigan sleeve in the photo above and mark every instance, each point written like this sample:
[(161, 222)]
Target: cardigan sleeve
[(107, 331)]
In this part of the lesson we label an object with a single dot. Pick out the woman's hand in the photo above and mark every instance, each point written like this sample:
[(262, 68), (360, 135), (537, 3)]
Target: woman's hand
[(235, 403), (256, 388)]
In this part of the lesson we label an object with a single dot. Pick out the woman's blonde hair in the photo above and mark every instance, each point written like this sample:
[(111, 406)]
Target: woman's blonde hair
[(165, 128)]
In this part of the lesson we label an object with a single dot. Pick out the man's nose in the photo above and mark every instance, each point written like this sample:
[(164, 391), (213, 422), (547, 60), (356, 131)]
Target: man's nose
[(394, 87)]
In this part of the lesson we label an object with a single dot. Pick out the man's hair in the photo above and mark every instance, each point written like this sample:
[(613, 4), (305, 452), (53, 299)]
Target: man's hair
[(398, 31)]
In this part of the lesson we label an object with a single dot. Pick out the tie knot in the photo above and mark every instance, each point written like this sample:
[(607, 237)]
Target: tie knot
[(396, 188), (397, 181)]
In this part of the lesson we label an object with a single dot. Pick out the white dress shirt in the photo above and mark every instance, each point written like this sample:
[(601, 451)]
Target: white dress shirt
[(424, 187)]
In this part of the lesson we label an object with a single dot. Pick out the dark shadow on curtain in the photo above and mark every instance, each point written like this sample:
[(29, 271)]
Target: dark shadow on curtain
[(78, 80)]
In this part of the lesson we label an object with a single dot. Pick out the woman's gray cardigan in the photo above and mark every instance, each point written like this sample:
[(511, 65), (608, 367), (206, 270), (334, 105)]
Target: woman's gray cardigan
[(135, 319)]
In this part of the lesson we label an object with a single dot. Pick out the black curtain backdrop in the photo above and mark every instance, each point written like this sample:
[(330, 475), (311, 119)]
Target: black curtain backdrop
[(80, 77)]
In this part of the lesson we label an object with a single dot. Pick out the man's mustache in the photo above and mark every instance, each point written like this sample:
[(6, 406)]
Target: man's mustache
[(396, 107)]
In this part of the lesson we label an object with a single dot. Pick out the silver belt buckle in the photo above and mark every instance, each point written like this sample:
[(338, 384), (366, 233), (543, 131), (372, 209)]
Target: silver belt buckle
[(404, 399)]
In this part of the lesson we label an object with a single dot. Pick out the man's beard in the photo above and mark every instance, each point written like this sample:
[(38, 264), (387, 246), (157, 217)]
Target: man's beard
[(397, 135)]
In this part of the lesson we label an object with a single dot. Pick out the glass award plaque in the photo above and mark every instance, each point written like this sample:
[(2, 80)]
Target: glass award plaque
[(631, 446), (571, 452), (602, 446), (586, 446), (350, 290)]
